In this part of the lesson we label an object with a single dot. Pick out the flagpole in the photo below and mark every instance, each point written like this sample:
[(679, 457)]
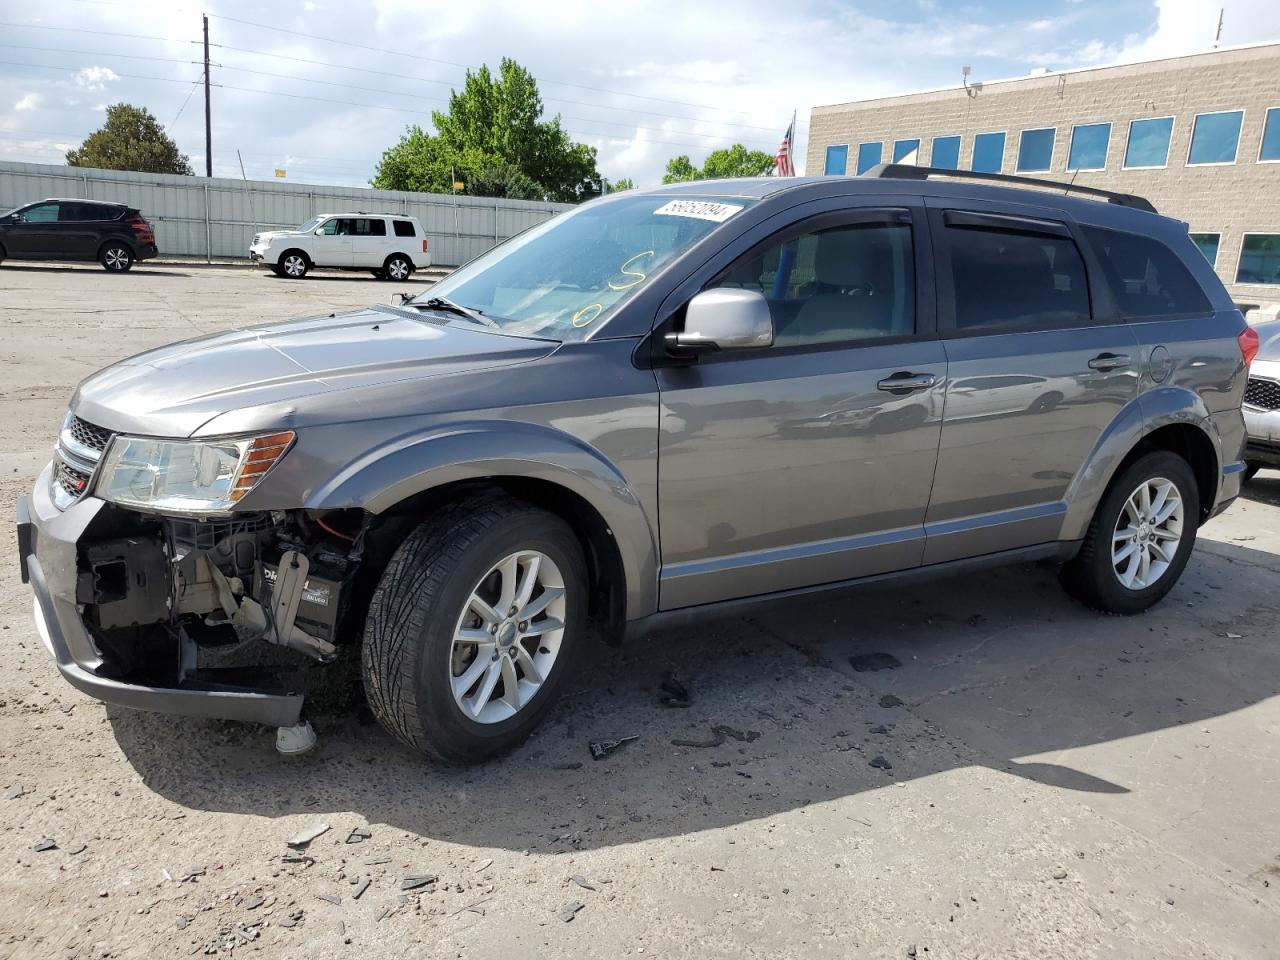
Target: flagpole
[(793, 141)]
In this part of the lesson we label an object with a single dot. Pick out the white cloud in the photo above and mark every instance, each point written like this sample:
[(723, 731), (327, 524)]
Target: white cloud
[(29, 102), (96, 78)]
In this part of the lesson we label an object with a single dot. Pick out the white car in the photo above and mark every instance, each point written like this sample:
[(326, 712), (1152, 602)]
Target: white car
[(388, 245)]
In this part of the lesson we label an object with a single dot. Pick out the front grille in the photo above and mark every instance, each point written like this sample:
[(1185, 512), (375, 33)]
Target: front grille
[(1263, 394), (86, 434), (72, 481)]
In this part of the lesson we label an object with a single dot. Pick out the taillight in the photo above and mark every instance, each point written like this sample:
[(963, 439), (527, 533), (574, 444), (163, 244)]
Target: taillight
[(140, 227), (424, 246), (1249, 344)]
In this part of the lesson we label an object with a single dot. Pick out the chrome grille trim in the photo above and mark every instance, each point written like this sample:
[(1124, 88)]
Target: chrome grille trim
[(79, 448), (1262, 394)]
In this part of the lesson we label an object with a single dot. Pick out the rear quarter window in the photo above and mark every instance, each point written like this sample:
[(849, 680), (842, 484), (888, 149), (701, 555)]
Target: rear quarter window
[(404, 228), (1146, 278)]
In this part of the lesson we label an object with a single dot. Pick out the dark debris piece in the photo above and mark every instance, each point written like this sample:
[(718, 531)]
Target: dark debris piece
[(880, 763), (570, 910), (719, 733), (294, 919), (45, 844), (602, 748), (253, 903), (329, 898), (871, 662), (360, 889), (879, 728), (889, 700), (581, 881), (182, 922), (416, 882), (575, 765)]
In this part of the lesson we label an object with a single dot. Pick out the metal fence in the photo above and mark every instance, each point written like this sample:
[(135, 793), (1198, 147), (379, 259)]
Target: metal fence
[(216, 217)]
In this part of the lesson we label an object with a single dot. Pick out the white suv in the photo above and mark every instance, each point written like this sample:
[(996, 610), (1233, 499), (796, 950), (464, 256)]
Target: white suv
[(389, 246)]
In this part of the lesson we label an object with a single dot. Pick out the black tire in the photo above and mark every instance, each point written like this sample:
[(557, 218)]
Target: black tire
[(115, 257), (293, 265), (397, 267), (1091, 578), (1251, 469), (408, 635)]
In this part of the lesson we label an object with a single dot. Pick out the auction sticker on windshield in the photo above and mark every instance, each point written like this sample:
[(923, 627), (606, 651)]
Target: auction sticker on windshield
[(698, 209)]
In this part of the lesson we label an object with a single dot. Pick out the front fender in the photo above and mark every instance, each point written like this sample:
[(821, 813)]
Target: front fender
[(396, 470)]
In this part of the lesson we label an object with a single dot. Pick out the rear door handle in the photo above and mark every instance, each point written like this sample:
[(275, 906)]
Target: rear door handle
[(904, 382), (1109, 361)]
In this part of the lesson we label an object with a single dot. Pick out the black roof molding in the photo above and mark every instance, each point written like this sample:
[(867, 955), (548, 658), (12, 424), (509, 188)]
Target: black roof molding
[(904, 171)]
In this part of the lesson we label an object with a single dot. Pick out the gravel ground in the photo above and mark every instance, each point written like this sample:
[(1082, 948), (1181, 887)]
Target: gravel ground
[(1021, 778)]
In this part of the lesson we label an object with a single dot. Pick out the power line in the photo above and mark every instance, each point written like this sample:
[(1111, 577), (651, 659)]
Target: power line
[(96, 33), (53, 66), (95, 53), (190, 93)]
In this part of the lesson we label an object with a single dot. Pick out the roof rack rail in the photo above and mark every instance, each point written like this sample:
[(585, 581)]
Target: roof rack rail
[(904, 171)]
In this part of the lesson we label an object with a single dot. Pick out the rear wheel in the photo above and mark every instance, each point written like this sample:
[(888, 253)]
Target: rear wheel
[(477, 620), (397, 267), (115, 257), (1140, 539), (293, 264)]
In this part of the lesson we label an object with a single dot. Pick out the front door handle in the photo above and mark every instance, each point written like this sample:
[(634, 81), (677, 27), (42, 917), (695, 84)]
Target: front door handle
[(906, 382), (1109, 361)]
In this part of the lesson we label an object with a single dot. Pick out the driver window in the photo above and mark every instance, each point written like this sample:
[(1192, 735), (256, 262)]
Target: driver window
[(43, 213), (844, 283), (330, 227)]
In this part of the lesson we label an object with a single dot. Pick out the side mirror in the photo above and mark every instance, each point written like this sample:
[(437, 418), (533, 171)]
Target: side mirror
[(320, 231), (724, 319)]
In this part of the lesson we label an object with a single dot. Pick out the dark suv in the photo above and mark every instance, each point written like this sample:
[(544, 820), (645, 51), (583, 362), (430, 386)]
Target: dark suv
[(658, 403), (114, 234)]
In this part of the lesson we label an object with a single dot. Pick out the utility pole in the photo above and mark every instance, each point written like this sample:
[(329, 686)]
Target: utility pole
[(1217, 37), (208, 115)]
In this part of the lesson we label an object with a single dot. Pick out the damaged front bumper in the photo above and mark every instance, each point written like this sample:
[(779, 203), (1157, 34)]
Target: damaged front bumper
[(130, 619)]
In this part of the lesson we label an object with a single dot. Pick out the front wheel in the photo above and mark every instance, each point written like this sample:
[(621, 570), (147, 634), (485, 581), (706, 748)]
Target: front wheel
[(473, 628), (293, 265), (116, 258), (1140, 539)]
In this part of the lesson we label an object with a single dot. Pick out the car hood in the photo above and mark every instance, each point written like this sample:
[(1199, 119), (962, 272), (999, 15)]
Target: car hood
[(272, 234), (1268, 340), (175, 390)]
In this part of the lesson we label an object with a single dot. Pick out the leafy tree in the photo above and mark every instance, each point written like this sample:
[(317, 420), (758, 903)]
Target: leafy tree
[(626, 183), (735, 161), (492, 139), (131, 139)]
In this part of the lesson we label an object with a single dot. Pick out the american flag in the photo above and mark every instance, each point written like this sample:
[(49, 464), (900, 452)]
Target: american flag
[(783, 167)]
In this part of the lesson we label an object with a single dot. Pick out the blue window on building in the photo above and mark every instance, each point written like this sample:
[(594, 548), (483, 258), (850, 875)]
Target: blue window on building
[(1089, 142), (1035, 150), (1215, 137), (837, 160), (1270, 136), (869, 154), (988, 153), (1208, 244), (1149, 142), (906, 151), (946, 153), (1260, 259)]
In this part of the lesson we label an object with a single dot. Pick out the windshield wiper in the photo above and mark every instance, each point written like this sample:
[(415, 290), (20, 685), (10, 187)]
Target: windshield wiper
[(445, 305)]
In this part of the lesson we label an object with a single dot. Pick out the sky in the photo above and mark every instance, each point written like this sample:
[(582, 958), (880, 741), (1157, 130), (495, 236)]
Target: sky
[(641, 82)]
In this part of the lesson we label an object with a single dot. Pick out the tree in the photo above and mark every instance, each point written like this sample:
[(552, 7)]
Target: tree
[(492, 140), (131, 139), (626, 183), (735, 161)]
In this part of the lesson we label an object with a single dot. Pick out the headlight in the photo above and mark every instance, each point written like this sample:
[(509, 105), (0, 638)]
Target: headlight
[(187, 476)]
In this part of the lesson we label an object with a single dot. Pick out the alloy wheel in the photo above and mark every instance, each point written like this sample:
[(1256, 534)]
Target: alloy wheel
[(116, 258), (1147, 533), (508, 637), (295, 266), (398, 269)]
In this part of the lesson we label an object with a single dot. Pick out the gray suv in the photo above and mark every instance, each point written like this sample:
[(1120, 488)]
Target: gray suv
[(659, 403)]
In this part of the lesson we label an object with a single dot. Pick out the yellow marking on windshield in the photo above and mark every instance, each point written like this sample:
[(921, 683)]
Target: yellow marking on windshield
[(580, 319), (639, 277)]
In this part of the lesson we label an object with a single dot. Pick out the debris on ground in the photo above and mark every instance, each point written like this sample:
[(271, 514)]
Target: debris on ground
[(602, 748), (77, 849), (581, 881), (676, 694), (45, 844), (718, 735), (329, 898), (871, 662), (15, 792), (482, 866), (191, 874), (303, 837), (575, 765), (879, 728), (360, 888), (889, 700), (417, 881), (570, 910), (1060, 875), (253, 903), (880, 763), (183, 922), (358, 835), (294, 919), (302, 858)]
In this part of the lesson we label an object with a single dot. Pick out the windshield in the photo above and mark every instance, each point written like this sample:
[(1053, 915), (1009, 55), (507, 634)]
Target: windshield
[(310, 225), (561, 279)]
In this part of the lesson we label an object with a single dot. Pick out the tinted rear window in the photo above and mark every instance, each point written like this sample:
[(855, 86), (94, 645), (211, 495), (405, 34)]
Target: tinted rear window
[(1006, 279), (404, 228), (370, 228), (1146, 278)]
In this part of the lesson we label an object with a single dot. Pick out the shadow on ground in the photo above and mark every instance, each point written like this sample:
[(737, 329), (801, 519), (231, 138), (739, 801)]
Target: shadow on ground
[(993, 667)]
